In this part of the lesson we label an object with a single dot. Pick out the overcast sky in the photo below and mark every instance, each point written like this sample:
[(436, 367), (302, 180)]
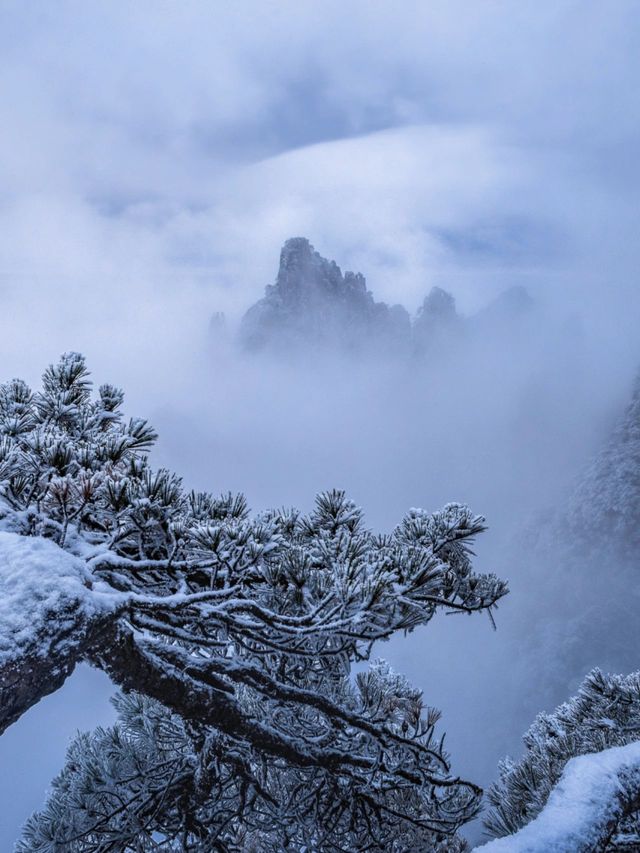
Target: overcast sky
[(155, 156)]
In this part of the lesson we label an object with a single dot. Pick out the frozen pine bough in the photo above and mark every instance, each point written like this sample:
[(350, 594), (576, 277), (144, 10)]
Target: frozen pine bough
[(577, 787), (232, 638)]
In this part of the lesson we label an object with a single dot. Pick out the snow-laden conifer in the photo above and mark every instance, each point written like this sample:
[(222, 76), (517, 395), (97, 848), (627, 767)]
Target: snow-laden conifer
[(238, 634)]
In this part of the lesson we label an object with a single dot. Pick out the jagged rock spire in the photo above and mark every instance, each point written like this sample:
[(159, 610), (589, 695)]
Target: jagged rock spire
[(313, 303)]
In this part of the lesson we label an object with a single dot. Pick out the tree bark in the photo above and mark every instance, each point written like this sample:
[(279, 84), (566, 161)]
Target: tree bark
[(33, 670)]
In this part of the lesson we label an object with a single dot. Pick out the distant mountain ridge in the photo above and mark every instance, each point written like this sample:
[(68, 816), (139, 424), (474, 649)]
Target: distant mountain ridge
[(313, 304)]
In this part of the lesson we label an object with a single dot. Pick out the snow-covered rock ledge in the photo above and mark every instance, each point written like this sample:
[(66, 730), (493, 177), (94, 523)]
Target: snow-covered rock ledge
[(48, 615), (583, 810)]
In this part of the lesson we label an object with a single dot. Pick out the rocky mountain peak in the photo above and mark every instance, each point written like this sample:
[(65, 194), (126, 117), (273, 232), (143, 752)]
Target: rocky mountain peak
[(440, 304), (313, 302), (303, 271), (297, 262)]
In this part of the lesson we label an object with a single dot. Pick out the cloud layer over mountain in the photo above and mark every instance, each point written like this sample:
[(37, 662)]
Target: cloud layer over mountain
[(156, 157)]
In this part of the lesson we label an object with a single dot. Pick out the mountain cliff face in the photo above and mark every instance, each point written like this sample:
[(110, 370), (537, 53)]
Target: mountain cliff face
[(313, 302), (583, 564), (604, 509)]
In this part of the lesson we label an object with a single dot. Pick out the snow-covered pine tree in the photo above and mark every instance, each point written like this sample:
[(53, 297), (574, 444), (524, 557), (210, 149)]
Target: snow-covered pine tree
[(156, 782), (604, 714), (234, 637)]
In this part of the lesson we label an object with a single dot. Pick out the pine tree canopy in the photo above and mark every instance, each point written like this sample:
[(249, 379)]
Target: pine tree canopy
[(241, 726)]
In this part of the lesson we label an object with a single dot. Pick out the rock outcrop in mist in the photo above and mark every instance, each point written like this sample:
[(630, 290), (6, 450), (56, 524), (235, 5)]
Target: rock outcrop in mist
[(436, 320), (313, 304)]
